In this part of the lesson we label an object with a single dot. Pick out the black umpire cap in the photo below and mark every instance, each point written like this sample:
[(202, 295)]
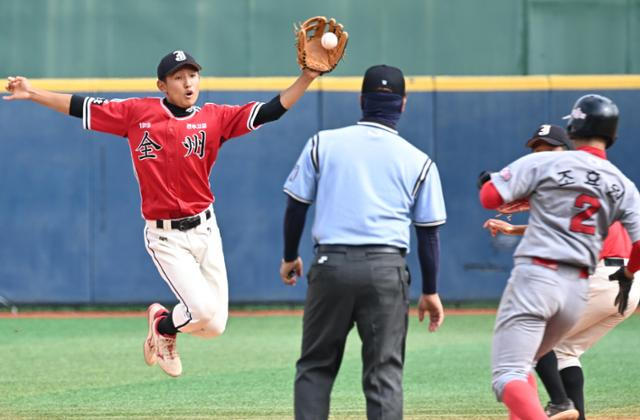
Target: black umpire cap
[(173, 61), (383, 78), (551, 134)]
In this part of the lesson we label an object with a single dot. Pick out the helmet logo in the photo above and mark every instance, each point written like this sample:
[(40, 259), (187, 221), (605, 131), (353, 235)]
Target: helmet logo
[(577, 114), (505, 173)]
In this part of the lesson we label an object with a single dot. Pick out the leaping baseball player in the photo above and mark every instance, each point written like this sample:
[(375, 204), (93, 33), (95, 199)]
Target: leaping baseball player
[(574, 197), (174, 144)]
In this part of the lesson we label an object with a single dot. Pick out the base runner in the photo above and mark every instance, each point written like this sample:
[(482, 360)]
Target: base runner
[(574, 197)]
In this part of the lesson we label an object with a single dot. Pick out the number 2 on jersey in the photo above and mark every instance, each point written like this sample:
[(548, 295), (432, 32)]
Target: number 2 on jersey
[(577, 221)]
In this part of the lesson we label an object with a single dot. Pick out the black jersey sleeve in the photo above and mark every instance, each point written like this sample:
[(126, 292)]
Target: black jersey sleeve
[(76, 106), (270, 111)]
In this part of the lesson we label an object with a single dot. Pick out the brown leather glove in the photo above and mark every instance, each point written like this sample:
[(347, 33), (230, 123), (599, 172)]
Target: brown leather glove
[(311, 54)]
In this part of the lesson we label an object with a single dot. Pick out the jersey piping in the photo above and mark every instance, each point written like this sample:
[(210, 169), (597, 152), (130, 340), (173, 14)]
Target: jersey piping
[(429, 224), (297, 197), (422, 177), (252, 116), (315, 144)]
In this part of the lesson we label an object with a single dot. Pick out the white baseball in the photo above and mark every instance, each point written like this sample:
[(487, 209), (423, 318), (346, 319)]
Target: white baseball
[(329, 41)]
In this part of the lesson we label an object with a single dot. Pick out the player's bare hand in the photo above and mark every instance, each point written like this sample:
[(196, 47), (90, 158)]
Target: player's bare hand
[(496, 226), (290, 271), (432, 305), (18, 87)]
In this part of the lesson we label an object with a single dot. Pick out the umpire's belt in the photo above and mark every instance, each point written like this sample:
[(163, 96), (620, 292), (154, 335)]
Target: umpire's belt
[(367, 249), (185, 223)]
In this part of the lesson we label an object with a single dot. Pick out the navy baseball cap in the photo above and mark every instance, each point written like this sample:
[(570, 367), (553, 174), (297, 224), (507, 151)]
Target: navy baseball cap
[(551, 134), (383, 78), (173, 61)]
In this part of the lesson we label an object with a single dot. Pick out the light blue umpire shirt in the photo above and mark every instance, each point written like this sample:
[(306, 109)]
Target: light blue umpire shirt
[(369, 183)]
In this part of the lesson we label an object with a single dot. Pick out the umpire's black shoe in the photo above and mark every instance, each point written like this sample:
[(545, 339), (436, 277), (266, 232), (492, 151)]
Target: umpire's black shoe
[(564, 411)]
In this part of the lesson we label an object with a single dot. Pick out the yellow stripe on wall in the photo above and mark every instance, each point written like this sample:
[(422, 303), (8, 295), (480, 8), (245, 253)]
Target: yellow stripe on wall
[(629, 81), (353, 84)]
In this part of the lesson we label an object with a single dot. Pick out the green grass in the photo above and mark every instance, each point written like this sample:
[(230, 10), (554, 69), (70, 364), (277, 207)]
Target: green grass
[(93, 368)]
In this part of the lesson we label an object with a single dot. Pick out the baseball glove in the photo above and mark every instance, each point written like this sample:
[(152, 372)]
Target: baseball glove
[(515, 206), (311, 54)]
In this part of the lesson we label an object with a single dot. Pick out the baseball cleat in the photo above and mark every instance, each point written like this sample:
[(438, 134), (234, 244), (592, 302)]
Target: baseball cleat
[(167, 354), (149, 347), (564, 411)]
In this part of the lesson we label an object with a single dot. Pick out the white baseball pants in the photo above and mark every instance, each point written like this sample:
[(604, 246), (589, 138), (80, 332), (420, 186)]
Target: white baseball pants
[(192, 264), (599, 317)]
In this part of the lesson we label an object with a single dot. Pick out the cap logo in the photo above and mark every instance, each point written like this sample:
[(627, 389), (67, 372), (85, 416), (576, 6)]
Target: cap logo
[(544, 130), (577, 114), (384, 82), (180, 55)]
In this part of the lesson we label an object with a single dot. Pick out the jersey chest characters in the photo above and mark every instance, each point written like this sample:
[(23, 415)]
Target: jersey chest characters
[(172, 156)]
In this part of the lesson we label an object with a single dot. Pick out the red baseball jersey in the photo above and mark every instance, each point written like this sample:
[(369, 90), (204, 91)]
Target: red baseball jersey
[(172, 156), (617, 243)]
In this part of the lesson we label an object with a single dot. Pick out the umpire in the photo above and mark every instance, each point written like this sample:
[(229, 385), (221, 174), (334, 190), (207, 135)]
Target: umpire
[(369, 185)]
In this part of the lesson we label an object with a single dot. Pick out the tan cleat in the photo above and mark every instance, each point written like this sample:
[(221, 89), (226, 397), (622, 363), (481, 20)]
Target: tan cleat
[(564, 411), (167, 355), (149, 347)]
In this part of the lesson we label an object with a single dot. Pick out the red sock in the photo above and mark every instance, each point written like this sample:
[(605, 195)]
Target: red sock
[(532, 381), (522, 400), (513, 416)]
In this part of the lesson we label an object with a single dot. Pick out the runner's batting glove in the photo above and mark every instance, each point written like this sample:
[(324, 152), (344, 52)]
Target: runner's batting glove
[(483, 177), (622, 298)]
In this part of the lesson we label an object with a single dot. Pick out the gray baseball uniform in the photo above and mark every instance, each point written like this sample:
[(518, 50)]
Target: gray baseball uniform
[(574, 197)]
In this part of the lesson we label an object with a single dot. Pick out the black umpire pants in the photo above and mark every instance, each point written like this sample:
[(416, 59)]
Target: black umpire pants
[(368, 287)]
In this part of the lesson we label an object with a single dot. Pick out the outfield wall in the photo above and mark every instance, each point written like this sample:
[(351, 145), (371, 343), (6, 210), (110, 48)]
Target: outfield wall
[(70, 217), (122, 38)]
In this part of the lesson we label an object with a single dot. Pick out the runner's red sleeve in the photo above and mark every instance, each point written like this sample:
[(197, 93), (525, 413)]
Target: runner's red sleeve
[(634, 259), (490, 198)]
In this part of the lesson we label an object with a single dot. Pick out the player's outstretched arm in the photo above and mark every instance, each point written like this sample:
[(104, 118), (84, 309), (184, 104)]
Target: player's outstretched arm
[(290, 95), (20, 88)]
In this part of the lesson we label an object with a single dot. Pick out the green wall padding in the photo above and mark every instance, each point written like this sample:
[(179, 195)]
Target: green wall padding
[(123, 38)]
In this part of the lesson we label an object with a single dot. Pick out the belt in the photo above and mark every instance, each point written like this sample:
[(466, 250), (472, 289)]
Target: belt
[(368, 249), (614, 262), (185, 223), (554, 265)]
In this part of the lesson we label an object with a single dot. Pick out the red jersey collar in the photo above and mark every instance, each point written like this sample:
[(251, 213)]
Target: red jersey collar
[(594, 151)]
